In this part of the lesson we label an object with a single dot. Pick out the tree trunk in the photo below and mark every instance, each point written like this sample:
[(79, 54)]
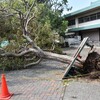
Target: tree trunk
[(43, 55)]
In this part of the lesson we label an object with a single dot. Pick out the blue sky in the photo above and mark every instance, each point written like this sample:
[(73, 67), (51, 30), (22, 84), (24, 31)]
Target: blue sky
[(78, 4)]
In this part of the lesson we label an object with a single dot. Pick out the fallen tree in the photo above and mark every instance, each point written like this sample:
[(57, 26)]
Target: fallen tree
[(42, 55), (90, 65), (29, 52), (25, 15)]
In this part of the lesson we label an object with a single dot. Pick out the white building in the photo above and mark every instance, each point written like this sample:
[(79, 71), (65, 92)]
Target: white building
[(86, 22)]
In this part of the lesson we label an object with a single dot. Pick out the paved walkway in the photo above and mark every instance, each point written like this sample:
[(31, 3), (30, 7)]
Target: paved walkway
[(82, 91), (43, 82)]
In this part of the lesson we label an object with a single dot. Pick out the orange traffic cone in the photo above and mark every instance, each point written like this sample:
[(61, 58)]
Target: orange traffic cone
[(4, 93)]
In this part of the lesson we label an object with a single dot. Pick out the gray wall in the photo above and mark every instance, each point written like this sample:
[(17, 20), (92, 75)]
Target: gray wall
[(92, 34)]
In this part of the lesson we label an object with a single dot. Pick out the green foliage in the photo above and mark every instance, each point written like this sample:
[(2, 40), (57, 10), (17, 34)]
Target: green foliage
[(11, 63), (57, 49), (50, 12), (47, 20)]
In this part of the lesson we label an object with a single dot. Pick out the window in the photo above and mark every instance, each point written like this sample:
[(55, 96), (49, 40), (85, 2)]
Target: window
[(89, 18), (81, 20), (71, 22), (98, 15), (93, 17), (84, 19)]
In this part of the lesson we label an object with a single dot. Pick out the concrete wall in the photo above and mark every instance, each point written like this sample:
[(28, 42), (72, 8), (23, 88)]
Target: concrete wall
[(89, 23)]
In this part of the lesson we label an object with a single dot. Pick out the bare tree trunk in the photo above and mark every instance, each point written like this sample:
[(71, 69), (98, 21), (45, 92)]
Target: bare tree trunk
[(44, 55)]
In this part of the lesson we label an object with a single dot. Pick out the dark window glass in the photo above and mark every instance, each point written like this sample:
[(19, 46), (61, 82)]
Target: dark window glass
[(86, 19), (81, 20), (71, 22), (93, 17), (89, 18), (98, 15)]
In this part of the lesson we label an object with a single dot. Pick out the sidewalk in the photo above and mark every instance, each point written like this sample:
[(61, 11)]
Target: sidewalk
[(41, 82), (82, 91)]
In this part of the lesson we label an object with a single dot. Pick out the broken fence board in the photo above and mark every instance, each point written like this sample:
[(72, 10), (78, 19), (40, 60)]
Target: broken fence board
[(80, 48)]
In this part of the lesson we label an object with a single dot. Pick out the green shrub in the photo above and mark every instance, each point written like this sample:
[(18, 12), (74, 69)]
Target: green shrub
[(57, 49)]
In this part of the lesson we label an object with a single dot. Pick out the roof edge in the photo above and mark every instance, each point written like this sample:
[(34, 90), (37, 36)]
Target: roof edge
[(84, 28), (93, 5)]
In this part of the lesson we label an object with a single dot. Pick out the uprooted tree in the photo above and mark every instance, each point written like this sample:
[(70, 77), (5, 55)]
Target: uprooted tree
[(36, 21)]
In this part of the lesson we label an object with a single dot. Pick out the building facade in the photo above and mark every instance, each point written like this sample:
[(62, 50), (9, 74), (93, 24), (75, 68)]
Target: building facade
[(86, 22)]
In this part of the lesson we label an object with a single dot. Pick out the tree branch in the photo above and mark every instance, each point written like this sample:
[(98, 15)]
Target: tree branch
[(34, 63), (28, 20), (28, 38), (44, 55), (28, 13)]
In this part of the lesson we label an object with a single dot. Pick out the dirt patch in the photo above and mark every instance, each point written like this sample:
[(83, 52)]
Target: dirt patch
[(90, 70), (92, 65)]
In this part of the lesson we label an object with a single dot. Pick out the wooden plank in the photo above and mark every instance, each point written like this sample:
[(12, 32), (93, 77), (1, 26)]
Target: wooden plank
[(80, 48)]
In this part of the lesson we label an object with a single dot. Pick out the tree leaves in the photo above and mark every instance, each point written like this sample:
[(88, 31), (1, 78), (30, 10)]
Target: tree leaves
[(47, 18)]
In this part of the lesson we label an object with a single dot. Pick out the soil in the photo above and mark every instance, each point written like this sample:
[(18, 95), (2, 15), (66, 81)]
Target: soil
[(90, 70), (92, 65)]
